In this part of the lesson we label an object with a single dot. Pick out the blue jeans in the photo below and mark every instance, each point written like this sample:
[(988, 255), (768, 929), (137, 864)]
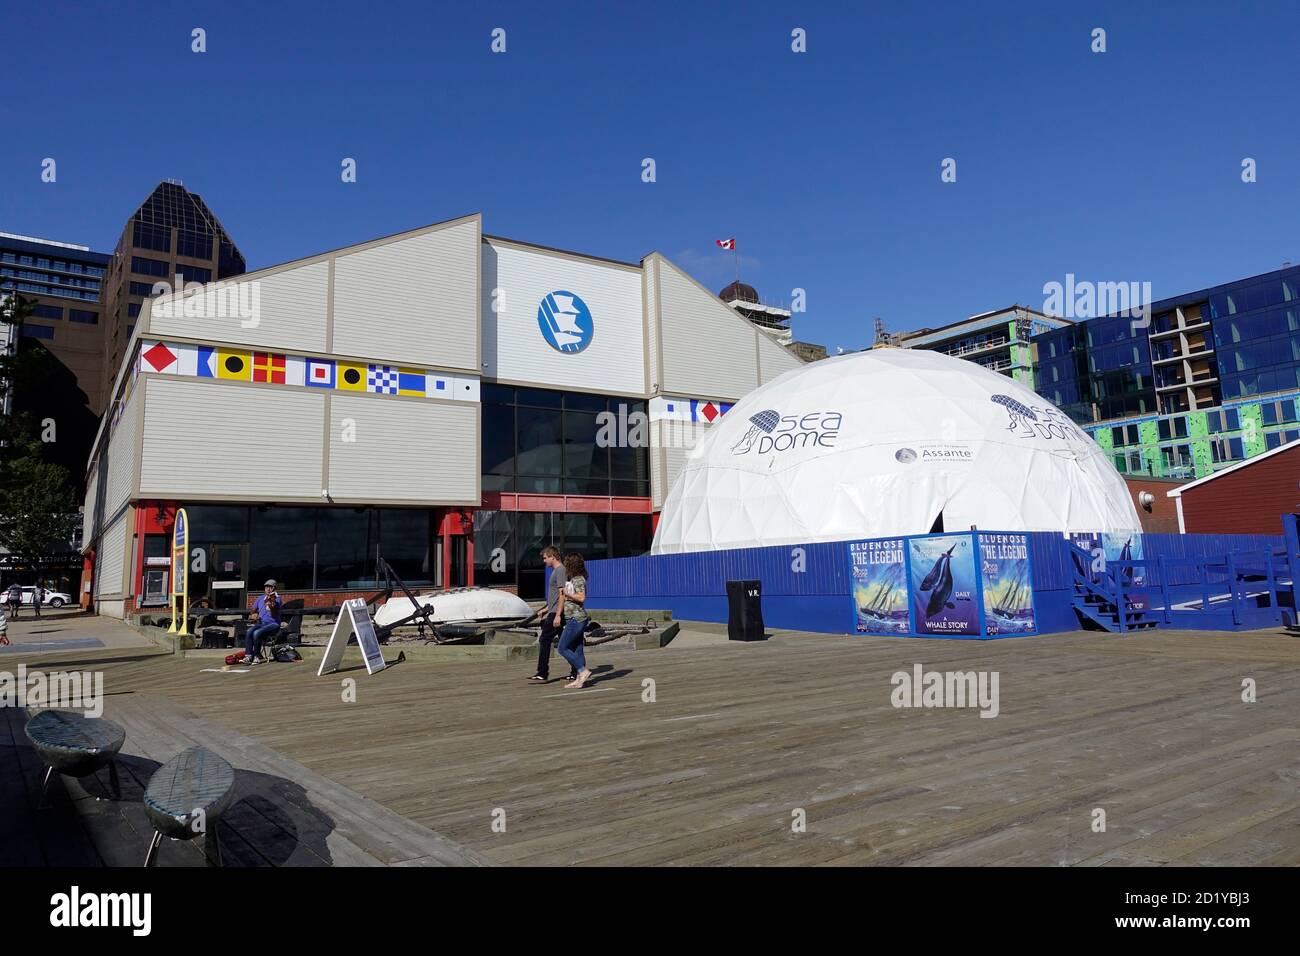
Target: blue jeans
[(571, 644), (253, 637)]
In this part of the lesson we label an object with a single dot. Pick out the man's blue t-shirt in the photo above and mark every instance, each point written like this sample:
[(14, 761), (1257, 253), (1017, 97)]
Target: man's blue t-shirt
[(264, 613)]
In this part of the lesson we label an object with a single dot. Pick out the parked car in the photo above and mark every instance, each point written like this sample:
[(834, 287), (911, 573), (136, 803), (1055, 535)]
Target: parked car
[(52, 598)]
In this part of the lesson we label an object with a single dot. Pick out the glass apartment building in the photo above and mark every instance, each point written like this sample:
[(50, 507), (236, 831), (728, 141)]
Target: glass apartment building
[(63, 280), (1213, 379)]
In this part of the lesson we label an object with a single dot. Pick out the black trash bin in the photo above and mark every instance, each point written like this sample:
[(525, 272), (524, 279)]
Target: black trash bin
[(745, 610)]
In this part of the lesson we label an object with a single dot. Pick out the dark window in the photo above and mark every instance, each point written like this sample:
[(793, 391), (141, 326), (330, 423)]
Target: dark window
[(48, 312), (345, 550), (143, 289), (149, 236), (539, 444), (84, 316), (150, 267), (196, 245), (38, 331), (1172, 428), (404, 543), (281, 546), (217, 523), (193, 273), (133, 310)]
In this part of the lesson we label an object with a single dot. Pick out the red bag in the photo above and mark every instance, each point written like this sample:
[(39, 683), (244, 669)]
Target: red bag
[(235, 658)]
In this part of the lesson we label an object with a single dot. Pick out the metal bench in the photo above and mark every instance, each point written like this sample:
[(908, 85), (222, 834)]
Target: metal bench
[(75, 744), (185, 798)]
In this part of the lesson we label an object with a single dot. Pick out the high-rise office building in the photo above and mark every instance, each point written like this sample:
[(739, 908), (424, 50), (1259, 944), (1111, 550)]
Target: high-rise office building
[(1212, 379), (63, 281), (172, 234)]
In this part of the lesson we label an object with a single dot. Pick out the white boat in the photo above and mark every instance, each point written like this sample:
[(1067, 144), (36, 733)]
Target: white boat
[(458, 606)]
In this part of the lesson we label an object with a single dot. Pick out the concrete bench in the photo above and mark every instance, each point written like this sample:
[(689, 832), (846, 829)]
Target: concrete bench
[(75, 744), (186, 797)]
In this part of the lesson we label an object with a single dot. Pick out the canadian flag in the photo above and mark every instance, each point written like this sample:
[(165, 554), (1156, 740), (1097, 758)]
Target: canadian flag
[(726, 243)]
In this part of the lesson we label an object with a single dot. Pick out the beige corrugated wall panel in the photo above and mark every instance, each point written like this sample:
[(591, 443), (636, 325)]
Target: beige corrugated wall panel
[(110, 559), (89, 517), (708, 350), (121, 457), (416, 452), (514, 349), (650, 273), (288, 311), (774, 359), (413, 301), (233, 440)]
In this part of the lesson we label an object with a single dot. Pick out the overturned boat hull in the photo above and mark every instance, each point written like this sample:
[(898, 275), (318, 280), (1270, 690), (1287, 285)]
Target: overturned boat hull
[(458, 606)]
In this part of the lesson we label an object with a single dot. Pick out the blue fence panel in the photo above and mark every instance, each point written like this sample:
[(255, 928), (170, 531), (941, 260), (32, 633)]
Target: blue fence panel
[(817, 598)]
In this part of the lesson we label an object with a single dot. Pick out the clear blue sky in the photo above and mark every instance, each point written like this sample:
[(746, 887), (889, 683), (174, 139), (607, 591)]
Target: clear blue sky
[(1122, 166)]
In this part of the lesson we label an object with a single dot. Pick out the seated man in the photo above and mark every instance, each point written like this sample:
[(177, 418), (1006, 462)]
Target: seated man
[(266, 612)]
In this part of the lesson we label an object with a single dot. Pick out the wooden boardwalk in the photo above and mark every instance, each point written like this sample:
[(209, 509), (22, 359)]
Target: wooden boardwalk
[(1150, 728)]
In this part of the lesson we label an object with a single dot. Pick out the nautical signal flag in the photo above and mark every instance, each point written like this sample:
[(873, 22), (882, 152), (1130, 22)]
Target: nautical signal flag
[(234, 364), (410, 381), (381, 379), (351, 378), (726, 243), (320, 373), (268, 367)]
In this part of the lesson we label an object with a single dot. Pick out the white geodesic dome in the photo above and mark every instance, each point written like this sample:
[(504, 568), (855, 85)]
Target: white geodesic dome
[(885, 442)]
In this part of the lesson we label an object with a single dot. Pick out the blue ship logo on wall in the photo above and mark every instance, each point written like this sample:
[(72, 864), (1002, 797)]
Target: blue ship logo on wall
[(565, 322)]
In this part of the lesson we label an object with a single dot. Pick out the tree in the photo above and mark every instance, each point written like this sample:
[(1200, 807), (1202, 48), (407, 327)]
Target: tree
[(37, 497)]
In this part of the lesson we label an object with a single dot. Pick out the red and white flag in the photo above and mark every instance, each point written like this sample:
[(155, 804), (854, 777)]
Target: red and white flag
[(726, 243)]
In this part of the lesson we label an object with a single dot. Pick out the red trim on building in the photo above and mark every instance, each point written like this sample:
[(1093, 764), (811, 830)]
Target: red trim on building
[(518, 501)]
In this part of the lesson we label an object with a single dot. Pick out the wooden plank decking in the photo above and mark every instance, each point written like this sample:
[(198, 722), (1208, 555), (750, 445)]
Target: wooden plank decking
[(1150, 727)]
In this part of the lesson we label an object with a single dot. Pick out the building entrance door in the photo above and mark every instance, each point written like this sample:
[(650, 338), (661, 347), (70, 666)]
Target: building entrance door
[(227, 588)]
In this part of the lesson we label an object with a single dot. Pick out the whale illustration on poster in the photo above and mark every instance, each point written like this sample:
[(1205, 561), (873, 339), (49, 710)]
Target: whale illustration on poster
[(944, 584)]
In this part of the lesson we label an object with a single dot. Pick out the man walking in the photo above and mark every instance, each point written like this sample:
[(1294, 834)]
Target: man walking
[(266, 611), (550, 627), (38, 598), (14, 597)]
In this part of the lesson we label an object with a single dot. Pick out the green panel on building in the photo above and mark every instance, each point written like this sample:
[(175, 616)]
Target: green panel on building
[(1197, 426), (1252, 430), (1201, 456), (1104, 439)]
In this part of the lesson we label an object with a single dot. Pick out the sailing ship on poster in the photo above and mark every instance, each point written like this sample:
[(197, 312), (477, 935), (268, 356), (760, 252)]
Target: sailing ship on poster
[(1009, 600), (1008, 584), (879, 587)]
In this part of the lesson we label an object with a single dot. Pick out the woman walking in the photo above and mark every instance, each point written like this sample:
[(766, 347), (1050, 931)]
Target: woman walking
[(572, 606)]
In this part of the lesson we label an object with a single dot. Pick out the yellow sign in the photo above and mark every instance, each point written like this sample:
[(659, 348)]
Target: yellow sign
[(180, 598)]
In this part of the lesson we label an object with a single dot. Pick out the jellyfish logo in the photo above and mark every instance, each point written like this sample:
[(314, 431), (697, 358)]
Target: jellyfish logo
[(762, 423), (1019, 414)]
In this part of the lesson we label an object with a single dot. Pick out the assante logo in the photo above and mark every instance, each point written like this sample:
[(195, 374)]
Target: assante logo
[(908, 456)]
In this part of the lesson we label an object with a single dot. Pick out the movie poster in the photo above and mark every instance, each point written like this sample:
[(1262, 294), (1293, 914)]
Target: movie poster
[(944, 585), (1007, 583), (878, 581)]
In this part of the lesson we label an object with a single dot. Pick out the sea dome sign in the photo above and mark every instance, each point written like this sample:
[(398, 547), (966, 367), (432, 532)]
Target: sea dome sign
[(565, 321)]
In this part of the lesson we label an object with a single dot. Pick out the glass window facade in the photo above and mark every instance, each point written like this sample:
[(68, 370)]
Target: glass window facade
[(317, 548), (562, 443), (508, 545)]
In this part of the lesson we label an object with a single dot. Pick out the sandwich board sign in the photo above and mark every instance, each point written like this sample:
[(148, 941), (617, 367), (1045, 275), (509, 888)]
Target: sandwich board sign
[(354, 618)]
